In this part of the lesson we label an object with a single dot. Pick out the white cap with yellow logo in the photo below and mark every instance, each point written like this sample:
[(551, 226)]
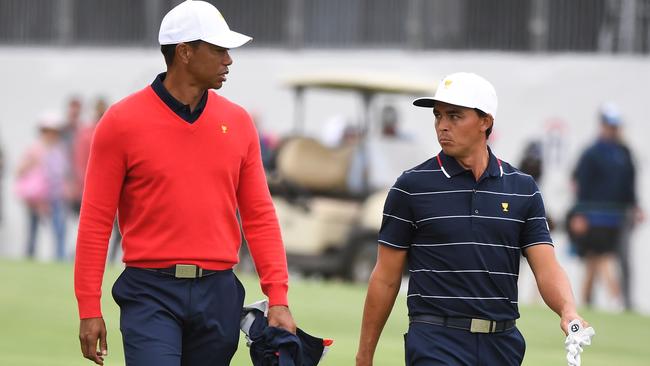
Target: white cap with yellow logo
[(466, 90), (198, 20)]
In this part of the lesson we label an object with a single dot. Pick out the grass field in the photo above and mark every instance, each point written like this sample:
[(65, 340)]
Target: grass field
[(39, 325)]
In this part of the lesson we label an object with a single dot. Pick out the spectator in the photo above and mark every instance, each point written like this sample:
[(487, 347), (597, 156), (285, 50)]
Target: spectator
[(390, 124), (389, 121), (532, 161), (605, 184), (81, 153), (268, 144), (81, 145), (71, 127), (333, 132), (42, 185)]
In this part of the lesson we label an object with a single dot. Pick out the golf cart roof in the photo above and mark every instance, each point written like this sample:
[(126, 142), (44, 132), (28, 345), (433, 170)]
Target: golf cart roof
[(365, 83)]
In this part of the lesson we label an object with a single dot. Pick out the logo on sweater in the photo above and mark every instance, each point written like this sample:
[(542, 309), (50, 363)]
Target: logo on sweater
[(504, 206), (224, 129)]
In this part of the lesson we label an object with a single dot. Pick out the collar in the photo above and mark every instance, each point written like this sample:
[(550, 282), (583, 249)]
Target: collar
[(182, 110), (450, 167)]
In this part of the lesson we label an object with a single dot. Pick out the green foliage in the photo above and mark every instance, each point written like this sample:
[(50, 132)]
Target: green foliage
[(39, 323)]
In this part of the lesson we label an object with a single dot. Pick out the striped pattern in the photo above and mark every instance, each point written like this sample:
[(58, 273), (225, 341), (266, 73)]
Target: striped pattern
[(467, 243), (462, 271), (466, 191), (469, 216), (465, 238)]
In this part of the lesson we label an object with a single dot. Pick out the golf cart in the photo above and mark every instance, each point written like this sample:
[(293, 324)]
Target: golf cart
[(329, 199)]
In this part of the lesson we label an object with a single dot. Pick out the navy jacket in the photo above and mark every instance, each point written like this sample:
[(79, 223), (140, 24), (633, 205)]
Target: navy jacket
[(271, 346)]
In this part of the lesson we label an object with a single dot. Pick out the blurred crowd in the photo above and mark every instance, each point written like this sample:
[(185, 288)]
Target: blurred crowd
[(50, 174), (50, 177)]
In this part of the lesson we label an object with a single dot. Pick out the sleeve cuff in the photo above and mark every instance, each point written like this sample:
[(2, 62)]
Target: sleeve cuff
[(277, 294), (89, 308), (525, 248), (393, 245), (540, 242)]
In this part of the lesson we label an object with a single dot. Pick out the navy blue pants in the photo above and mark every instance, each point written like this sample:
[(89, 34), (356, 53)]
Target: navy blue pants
[(429, 345), (167, 321)]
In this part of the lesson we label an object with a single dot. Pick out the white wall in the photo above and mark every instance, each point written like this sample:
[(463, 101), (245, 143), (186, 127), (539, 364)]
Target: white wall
[(532, 90)]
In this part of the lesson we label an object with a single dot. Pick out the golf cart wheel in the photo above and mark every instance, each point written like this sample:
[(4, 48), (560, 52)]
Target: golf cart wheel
[(363, 262)]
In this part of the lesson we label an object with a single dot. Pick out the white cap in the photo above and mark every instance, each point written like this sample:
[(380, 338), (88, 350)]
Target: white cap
[(198, 20), (466, 90), (610, 114), (51, 120)]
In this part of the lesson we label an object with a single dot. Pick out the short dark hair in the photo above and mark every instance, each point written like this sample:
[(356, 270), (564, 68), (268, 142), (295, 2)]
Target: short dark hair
[(168, 50), (482, 114)]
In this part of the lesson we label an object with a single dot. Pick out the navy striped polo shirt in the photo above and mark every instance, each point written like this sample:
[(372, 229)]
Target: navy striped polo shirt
[(465, 238)]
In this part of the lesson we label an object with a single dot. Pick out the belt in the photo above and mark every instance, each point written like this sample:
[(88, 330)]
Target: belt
[(473, 325), (183, 271)]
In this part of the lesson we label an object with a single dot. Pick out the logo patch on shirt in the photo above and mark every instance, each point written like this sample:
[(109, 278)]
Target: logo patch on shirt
[(224, 129), (504, 206)]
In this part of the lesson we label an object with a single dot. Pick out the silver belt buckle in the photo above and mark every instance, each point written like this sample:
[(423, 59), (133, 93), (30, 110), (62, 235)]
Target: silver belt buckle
[(185, 271), (481, 326)]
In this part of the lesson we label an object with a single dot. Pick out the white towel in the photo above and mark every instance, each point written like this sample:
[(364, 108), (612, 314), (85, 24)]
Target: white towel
[(577, 338)]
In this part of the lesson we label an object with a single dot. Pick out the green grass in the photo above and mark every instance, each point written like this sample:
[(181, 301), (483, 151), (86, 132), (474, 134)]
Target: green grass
[(39, 324)]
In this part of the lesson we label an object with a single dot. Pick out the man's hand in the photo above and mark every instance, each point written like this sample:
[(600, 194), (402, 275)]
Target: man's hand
[(578, 225), (279, 316), (567, 317), (578, 338), (91, 331)]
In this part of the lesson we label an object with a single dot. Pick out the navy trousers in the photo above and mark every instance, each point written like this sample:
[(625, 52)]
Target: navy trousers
[(167, 321), (434, 345)]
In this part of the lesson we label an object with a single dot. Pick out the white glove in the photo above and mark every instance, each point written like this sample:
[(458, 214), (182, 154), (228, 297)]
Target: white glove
[(577, 338)]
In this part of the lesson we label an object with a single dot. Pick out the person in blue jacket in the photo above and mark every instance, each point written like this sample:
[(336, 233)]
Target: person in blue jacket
[(606, 205)]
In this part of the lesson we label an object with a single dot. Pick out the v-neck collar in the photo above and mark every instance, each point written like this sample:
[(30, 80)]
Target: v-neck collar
[(174, 118), (180, 109)]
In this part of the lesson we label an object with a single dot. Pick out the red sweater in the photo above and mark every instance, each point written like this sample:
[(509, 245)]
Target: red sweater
[(177, 187)]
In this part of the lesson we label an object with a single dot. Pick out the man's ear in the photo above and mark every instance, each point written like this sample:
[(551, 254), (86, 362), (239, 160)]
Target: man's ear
[(183, 52), (486, 122)]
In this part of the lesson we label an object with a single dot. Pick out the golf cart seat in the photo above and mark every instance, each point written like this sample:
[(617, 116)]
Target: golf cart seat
[(314, 167)]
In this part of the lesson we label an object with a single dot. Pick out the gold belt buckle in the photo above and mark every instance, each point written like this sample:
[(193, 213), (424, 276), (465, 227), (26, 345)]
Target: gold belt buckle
[(185, 271), (481, 326)]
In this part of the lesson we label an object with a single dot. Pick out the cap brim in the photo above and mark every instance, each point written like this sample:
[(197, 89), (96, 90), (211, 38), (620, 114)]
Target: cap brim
[(426, 102), (229, 40), (614, 122), (429, 102)]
